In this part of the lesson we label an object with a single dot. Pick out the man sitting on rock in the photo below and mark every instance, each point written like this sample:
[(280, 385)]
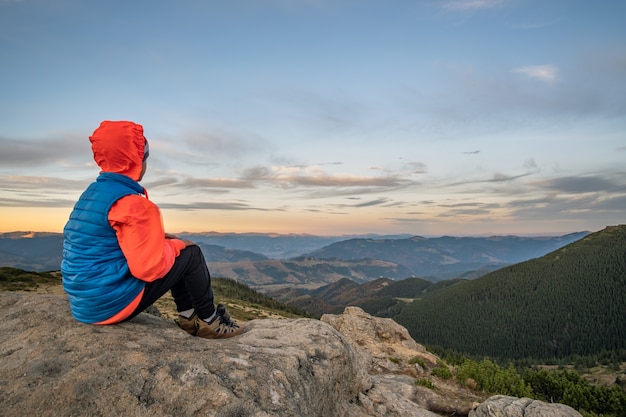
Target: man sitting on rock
[(117, 259)]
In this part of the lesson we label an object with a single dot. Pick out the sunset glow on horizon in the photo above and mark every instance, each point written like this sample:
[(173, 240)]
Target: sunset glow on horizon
[(340, 117)]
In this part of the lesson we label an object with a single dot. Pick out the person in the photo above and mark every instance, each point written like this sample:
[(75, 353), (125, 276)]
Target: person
[(117, 258)]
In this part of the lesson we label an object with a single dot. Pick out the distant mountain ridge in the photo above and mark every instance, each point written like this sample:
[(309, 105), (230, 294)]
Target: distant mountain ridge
[(32, 251), (360, 259), (306, 272), (275, 245), (447, 257), (568, 302)]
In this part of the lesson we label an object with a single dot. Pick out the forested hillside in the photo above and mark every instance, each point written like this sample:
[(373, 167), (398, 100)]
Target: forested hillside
[(569, 302)]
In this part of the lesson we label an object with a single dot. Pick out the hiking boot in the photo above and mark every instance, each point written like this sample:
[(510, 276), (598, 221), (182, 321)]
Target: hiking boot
[(190, 325), (222, 326)]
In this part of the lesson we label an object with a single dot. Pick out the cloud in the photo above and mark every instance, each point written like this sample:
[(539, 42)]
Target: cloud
[(24, 183), (37, 202), (33, 191), (210, 144), (299, 178), (588, 207), (614, 204), (594, 199), (476, 101), (530, 164), (371, 203), (465, 5), (496, 178), (208, 205), (545, 73), (464, 212), (582, 184), (328, 113), (161, 182), (294, 4), (324, 180), (35, 152), (192, 182), (415, 167), (538, 24), (315, 177)]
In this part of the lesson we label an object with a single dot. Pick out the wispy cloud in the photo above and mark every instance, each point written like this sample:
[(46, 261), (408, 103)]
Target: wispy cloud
[(581, 184), (545, 73), (341, 181), (463, 5), (36, 202), (497, 177), (294, 4), (569, 207), (207, 205), (370, 203), (467, 209), (290, 177), (535, 24), (33, 191), (217, 183), (28, 153), (23, 183), (220, 144)]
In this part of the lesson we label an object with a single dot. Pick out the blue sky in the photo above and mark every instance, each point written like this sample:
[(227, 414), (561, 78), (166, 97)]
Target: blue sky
[(454, 117)]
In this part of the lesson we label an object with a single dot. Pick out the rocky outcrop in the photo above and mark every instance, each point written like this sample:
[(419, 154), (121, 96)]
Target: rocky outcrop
[(395, 361), (351, 365), (501, 406)]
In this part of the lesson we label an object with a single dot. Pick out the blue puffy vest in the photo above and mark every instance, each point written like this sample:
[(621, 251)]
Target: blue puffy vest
[(96, 276)]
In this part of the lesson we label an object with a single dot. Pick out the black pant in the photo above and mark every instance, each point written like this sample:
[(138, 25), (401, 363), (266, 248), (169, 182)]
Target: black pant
[(190, 283)]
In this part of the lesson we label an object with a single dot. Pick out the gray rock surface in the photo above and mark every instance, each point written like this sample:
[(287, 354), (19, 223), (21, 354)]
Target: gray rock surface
[(349, 365), (504, 406), (387, 351), (54, 366)]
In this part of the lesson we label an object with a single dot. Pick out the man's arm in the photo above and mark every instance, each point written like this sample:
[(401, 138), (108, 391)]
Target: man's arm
[(139, 229)]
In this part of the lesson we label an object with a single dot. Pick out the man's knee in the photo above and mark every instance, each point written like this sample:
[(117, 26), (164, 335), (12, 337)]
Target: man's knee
[(194, 251)]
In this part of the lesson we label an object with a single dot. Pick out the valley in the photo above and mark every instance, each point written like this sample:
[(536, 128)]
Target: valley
[(577, 287)]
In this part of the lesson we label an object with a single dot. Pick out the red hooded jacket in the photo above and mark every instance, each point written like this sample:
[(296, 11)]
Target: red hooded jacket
[(118, 146)]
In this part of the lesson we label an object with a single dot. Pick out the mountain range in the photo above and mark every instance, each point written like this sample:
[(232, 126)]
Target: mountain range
[(317, 261), (32, 251), (571, 301), (563, 305), (447, 257), (274, 245)]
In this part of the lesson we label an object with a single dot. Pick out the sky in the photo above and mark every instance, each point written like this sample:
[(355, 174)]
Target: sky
[(325, 117)]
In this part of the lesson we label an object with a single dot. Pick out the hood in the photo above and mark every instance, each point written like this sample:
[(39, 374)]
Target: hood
[(119, 147)]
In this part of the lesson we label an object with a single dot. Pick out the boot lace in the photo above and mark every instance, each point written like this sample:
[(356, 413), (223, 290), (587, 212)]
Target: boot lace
[(224, 317)]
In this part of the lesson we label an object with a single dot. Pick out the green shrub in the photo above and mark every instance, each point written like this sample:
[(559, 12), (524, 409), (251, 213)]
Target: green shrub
[(442, 372), (417, 360), (491, 378), (424, 383), (570, 388)]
